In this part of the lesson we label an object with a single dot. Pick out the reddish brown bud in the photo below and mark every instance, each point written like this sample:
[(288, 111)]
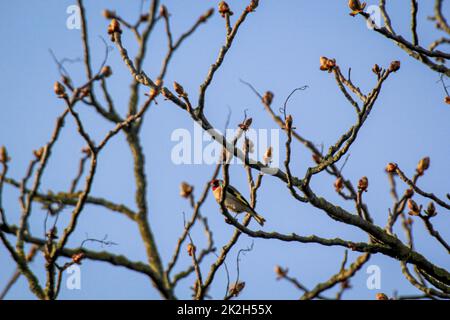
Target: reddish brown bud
[(38, 153), (252, 6), (59, 89), (381, 296), (356, 7), (280, 272), (268, 156), (414, 209), (391, 167), (327, 64), (163, 11), (114, 27), (108, 14), (363, 184), (376, 69), (267, 98), (288, 123), (395, 66), (77, 257), (246, 124), (447, 100), (179, 90), (431, 210), (224, 9), (4, 158), (190, 249), (339, 184), (186, 189), (423, 165), (236, 289), (106, 71)]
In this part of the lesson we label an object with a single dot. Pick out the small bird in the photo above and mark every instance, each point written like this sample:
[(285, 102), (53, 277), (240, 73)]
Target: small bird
[(234, 201)]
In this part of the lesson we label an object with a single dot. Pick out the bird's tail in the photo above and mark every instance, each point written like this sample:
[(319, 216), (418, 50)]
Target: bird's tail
[(260, 219)]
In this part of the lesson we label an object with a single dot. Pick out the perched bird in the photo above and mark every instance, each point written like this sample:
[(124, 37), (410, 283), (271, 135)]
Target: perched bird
[(234, 201)]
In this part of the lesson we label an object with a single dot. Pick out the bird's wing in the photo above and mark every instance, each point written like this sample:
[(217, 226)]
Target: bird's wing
[(234, 192)]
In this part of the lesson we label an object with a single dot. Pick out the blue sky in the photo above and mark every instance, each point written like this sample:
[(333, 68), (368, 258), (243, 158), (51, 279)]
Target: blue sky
[(277, 49)]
